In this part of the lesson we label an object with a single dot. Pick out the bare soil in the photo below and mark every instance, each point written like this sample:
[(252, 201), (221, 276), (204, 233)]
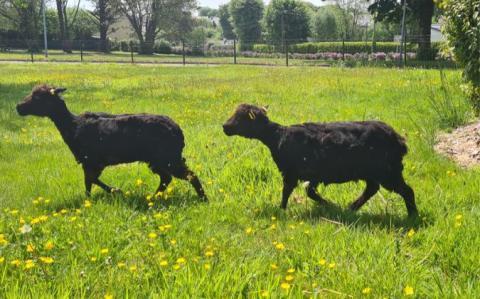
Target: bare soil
[(461, 145)]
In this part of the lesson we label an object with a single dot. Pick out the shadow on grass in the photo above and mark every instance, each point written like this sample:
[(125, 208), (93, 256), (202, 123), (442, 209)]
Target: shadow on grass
[(136, 201), (337, 215)]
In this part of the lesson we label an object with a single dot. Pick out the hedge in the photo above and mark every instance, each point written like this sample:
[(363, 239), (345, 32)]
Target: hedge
[(350, 47)]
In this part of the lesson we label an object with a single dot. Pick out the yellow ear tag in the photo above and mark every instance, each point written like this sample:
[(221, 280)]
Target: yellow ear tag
[(52, 92), (251, 114)]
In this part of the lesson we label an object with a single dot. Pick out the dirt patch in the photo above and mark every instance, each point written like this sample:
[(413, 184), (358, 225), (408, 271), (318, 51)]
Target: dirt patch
[(462, 145)]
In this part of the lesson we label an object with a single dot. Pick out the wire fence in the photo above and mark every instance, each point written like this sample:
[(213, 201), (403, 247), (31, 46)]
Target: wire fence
[(256, 52)]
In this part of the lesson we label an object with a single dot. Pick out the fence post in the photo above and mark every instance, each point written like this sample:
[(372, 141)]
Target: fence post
[(81, 51), (343, 48), (286, 52), (131, 51), (31, 54), (234, 51), (183, 51)]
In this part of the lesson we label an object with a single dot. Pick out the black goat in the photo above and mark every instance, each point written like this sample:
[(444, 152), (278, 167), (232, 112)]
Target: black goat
[(328, 153), (98, 140)]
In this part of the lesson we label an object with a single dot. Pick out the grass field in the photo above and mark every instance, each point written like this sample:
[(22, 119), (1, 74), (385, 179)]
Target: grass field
[(125, 57), (240, 244)]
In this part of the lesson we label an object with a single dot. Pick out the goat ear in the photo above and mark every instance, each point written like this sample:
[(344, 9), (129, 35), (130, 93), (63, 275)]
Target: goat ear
[(59, 90)]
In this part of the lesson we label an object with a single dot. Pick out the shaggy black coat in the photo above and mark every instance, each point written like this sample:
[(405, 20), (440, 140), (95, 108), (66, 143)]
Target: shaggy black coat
[(328, 153), (98, 140)]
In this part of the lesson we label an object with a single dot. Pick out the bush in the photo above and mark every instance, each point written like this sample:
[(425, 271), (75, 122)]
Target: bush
[(350, 47), (462, 28), (162, 47)]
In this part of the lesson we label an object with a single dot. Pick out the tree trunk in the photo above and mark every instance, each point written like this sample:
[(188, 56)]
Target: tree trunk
[(425, 14), (103, 28)]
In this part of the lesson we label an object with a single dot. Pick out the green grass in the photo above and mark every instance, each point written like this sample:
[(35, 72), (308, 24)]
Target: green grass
[(125, 57), (242, 223)]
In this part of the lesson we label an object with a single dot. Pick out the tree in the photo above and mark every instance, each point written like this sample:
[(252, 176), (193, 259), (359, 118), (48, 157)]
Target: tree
[(462, 29), (246, 16), (324, 25), (421, 13), (207, 12), (351, 15), (287, 19), (227, 28), (105, 13), (64, 24), (148, 17), (24, 16)]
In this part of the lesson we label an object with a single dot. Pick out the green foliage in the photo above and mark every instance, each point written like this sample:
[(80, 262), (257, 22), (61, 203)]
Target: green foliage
[(462, 29), (207, 12), (350, 47), (333, 252), (324, 25), (286, 19), (225, 22), (246, 16)]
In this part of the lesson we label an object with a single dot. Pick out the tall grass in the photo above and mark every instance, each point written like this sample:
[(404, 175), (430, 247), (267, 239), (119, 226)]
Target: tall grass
[(450, 109)]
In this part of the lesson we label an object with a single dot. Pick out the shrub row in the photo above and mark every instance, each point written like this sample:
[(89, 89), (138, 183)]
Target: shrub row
[(348, 47)]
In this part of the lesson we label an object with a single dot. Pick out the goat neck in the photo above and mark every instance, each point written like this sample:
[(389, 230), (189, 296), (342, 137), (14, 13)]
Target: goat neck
[(64, 120), (270, 135)]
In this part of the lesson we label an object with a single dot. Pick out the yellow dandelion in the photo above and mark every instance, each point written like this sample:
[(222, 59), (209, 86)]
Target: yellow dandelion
[(249, 231), (176, 266), (43, 218), (133, 268), (181, 260), (273, 226), (207, 266), (93, 259), (285, 286), (30, 248), (87, 204), (322, 262), (29, 264), (35, 220), (163, 263), (408, 291), (264, 293), (173, 241), (104, 251), (14, 212), (63, 211), (332, 265), (150, 204), (108, 296), (289, 278), (280, 246), (459, 217), (209, 253), (291, 270), (49, 245), (152, 235), (411, 232), (46, 260), (16, 263), (139, 182), (149, 197), (274, 266), (121, 265), (366, 291), (2, 259)]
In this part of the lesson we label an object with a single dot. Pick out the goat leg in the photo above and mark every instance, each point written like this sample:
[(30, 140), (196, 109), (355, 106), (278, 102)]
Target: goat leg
[(288, 186)]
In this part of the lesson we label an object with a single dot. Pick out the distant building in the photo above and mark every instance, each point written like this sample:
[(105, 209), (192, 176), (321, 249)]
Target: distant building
[(436, 34)]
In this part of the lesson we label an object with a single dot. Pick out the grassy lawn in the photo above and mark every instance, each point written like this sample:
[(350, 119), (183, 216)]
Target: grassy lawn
[(125, 57), (240, 244)]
